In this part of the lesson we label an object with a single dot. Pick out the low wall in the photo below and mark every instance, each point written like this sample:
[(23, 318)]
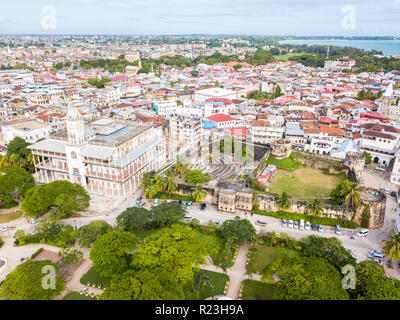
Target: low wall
[(377, 208)]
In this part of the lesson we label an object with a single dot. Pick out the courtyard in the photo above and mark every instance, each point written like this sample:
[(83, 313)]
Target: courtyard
[(305, 182)]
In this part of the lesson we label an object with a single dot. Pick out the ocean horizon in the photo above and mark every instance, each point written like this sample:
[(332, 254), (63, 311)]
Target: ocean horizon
[(388, 47)]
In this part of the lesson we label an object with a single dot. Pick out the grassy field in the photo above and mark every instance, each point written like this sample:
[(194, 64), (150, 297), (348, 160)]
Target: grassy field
[(13, 204), (286, 57), (215, 248), (289, 164), (218, 281), (265, 255), (256, 290), (76, 296), (7, 217), (94, 278), (305, 182)]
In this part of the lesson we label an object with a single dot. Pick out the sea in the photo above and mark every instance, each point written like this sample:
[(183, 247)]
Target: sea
[(388, 47)]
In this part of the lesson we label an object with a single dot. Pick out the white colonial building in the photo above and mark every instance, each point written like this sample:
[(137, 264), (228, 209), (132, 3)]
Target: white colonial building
[(106, 157)]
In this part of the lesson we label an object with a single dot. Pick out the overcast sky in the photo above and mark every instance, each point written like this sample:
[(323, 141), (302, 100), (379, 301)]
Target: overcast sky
[(270, 17)]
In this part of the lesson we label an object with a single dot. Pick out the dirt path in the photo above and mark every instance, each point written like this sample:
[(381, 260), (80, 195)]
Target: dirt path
[(238, 272)]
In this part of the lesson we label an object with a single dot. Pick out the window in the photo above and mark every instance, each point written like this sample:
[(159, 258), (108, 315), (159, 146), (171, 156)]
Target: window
[(73, 155)]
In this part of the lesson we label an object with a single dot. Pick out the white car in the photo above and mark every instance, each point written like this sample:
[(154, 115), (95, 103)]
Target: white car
[(4, 228), (155, 202), (308, 225), (290, 224), (33, 220), (320, 228), (376, 254), (338, 230), (362, 233)]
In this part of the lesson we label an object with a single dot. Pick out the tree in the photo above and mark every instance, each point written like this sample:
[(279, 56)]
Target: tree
[(180, 168), (18, 146), (373, 284), (199, 193), (330, 249), (346, 190), (88, 234), (237, 66), (48, 229), (149, 187), (392, 246), (70, 256), (305, 278), (201, 281), (112, 252), (159, 182), (315, 207), (25, 282), (134, 219), (277, 92), (240, 230), (284, 201), (61, 195), (352, 195), (167, 213), (196, 176), (170, 181), (14, 179), (368, 157)]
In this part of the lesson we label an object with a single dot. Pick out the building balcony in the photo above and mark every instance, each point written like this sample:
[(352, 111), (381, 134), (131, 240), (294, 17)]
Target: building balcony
[(49, 166)]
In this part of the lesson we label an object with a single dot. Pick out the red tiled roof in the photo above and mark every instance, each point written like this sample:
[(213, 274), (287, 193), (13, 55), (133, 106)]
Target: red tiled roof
[(220, 117)]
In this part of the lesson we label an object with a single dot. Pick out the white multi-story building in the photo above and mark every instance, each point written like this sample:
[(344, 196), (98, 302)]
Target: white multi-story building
[(185, 134), (30, 131), (106, 157), (204, 94), (263, 132)]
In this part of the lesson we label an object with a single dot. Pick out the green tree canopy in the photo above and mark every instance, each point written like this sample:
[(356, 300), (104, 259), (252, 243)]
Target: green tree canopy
[(25, 282), (167, 213), (373, 284), (64, 196), (331, 249), (11, 179), (112, 252), (88, 234), (239, 230), (196, 176), (305, 278), (134, 219)]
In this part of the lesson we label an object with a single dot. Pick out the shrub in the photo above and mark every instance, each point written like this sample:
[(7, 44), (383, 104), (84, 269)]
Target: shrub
[(317, 220), (174, 196), (36, 253), (1, 241)]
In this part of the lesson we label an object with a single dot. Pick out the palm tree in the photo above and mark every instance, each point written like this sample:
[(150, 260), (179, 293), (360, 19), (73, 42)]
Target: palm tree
[(284, 201), (199, 193), (148, 185), (202, 280), (352, 195), (315, 207), (170, 181), (392, 246), (160, 183)]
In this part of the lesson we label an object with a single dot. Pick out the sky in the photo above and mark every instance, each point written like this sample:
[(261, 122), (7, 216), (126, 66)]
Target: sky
[(144, 17)]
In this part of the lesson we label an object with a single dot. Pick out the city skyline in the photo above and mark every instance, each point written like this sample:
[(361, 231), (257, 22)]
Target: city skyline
[(174, 17)]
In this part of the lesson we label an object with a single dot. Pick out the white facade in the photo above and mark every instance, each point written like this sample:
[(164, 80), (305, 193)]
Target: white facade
[(204, 94), (30, 131)]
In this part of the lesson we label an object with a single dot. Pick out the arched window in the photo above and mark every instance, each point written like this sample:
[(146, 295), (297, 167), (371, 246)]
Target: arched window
[(73, 155)]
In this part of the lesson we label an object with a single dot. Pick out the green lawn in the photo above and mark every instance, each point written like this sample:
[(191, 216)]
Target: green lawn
[(305, 183), (288, 163), (216, 248), (288, 56), (218, 281), (77, 296), (94, 278), (265, 255), (256, 290), (12, 204)]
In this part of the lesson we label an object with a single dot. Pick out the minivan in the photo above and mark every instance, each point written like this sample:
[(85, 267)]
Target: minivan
[(301, 226), (362, 233)]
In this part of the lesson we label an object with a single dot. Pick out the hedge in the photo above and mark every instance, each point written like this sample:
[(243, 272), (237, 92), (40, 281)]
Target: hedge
[(174, 196), (36, 253), (316, 220)]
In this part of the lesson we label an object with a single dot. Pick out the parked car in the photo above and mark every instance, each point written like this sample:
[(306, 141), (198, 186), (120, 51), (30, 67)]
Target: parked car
[(187, 218), (189, 204), (314, 227), (284, 223), (203, 206), (155, 202), (393, 193), (180, 202), (301, 225), (141, 204), (338, 229), (362, 233), (216, 221), (261, 223), (387, 190), (296, 224), (308, 225), (290, 223), (375, 254), (376, 259), (320, 228)]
